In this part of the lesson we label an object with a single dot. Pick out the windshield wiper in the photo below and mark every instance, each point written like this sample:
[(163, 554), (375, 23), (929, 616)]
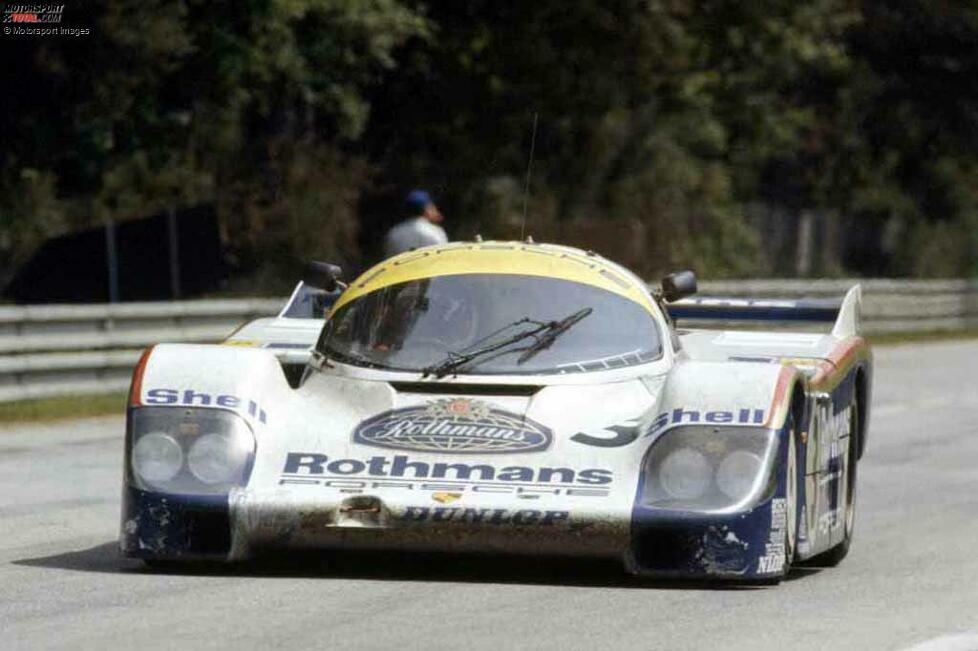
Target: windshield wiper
[(544, 333), (554, 330), (328, 354)]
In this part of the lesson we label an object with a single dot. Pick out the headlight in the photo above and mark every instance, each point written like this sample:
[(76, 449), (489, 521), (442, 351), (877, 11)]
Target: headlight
[(189, 451), (703, 468), (216, 458), (737, 474), (157, 457), (686, 474)]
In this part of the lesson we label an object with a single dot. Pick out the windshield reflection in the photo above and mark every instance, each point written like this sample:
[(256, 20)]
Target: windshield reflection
[(414, 325)]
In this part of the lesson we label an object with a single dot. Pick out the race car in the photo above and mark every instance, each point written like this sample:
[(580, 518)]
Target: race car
[(506, 398)]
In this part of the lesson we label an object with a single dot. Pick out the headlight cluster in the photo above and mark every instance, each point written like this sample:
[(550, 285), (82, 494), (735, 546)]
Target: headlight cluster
[(189, 451), (710, 468)]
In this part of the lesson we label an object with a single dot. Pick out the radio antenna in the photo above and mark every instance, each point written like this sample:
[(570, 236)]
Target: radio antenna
[(529, 171)]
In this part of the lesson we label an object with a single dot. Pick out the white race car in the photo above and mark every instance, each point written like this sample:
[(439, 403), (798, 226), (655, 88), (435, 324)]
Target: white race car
[(505, 397)]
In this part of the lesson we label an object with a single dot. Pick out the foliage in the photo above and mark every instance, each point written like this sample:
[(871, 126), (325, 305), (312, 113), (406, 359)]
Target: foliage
[(660, 123)]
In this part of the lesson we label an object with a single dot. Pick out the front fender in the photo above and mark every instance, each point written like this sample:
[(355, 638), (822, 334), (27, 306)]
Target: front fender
[(727, 393), (247, 381)]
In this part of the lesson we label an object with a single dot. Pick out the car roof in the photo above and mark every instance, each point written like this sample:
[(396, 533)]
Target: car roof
[(519, 258)]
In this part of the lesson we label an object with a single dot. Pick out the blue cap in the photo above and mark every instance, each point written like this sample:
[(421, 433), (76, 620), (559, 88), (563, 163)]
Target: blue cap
[(417, 201)]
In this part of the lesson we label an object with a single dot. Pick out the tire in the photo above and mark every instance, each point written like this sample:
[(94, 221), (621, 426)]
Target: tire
[(791, 498), (834, 556)]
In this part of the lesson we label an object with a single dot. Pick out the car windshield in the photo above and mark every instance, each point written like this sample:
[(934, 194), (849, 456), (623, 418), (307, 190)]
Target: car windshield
[(421, 324)]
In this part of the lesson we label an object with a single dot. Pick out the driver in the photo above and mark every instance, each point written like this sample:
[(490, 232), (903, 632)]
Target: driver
[(400, 308), (428, 315)]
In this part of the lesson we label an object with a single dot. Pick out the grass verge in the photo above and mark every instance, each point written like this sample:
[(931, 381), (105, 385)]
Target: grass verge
[(62, 407)]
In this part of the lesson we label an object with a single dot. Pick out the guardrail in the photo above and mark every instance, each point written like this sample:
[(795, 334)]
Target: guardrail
[(52, 350), (888, 305), (84, 349)]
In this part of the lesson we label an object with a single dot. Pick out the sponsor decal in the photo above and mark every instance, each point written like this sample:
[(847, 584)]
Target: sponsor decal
[(311, 464), (191, 398), (773, 560), (628, 432), (457, 425), (770, 563), (445, 498), (831, 428), (682, 416), (457, 514), (458, 257)]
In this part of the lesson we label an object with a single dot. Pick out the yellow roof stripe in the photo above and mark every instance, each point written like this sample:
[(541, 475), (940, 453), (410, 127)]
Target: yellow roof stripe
[(497, 258)]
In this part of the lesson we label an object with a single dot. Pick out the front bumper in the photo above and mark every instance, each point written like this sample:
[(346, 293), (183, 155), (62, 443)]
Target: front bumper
[(740, 546), (157, 526), (246, 524), (277, 521)]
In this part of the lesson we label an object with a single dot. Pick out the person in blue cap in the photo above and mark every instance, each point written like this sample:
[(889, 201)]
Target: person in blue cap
[(421, 228)]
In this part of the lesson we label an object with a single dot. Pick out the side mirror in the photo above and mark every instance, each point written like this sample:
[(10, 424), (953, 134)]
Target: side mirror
[(322, 275), (678, 285)]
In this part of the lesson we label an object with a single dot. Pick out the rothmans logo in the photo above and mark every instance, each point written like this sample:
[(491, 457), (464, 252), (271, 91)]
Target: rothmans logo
[(456, 425)]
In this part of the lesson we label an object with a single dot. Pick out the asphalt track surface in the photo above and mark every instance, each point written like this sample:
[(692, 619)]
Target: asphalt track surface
[(911, 577)]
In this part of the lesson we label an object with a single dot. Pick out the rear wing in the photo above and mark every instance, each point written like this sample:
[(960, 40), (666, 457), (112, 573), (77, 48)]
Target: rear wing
[(843, 313)]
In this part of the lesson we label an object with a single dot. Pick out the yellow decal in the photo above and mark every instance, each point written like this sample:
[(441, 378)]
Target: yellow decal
[(241, 342), (498, 258)]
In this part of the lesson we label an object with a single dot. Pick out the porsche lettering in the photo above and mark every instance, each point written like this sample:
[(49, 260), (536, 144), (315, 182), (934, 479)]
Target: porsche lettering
[(522, 491)]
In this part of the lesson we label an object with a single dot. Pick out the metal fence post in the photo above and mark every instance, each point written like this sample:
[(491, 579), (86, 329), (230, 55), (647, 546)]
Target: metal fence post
[(112, 260)]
